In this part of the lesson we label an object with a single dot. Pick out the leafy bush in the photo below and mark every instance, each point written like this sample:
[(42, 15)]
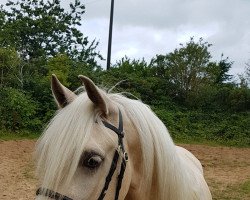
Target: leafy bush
[(224, 128), (17, 110)]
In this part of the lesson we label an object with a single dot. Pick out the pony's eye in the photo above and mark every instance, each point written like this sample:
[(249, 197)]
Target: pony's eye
[(92, 161)]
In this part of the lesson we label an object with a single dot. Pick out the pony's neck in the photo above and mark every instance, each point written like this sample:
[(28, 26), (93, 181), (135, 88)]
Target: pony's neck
[(183, 178), (178, 180)]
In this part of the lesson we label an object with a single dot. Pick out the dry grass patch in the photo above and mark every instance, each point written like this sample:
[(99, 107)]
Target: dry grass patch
[(226, 169)]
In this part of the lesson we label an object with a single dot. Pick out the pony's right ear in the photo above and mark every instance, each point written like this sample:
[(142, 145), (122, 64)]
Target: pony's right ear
[(63, 96), (95, 95)]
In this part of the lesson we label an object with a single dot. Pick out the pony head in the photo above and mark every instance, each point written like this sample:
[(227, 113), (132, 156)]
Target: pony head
[(76, 151)]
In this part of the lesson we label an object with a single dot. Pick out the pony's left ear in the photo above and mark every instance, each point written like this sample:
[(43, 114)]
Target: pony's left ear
[(95, 95)]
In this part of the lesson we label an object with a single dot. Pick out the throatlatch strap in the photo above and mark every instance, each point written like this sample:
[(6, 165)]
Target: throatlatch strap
[(51, 194)]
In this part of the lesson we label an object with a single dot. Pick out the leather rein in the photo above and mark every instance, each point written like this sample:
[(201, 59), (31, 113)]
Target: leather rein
[(120, 150)]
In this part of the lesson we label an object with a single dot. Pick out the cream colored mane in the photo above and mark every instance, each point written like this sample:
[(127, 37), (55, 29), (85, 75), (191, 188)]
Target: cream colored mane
[(162, 160), (164, 165)]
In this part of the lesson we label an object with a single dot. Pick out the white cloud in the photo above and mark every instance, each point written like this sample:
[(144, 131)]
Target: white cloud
[(144, 28), (158, 26)]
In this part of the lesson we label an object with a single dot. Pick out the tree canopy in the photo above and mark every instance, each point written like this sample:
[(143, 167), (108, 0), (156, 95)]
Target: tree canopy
[(191, 92), (38, 28), (189, 67)]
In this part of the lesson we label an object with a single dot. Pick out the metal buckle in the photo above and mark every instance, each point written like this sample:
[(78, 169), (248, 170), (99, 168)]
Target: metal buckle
[(125, 156)]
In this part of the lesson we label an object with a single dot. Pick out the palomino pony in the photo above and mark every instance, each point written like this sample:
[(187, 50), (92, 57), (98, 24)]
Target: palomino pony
[(106, 146)]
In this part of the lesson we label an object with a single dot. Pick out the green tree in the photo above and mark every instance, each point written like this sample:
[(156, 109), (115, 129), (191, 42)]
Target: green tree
[(37, 28), (247, 73), (244, 78), (60, 65), (224, 66), (185, 66), (17, 110), (189, 68), (10, 68)]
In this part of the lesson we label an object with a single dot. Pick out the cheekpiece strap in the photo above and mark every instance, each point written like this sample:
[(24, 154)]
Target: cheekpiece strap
[(110, 174), (120, 133), (120, 177)]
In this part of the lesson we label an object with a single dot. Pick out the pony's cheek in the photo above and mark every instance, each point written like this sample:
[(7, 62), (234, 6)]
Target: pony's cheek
[(80, 189)]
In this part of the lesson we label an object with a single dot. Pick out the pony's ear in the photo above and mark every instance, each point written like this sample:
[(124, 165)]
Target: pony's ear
[(94, 94), (63, 96)]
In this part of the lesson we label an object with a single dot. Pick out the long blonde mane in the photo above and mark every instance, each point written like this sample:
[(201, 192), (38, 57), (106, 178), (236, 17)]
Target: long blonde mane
[(60, 147), (161, 161)]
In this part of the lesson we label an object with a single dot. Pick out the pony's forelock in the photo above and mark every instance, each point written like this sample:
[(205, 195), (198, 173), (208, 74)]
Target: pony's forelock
[(64, 138)]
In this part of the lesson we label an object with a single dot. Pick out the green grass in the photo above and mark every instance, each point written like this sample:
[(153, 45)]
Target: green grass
[(202, 141), (18, 135), (7, 135), (227, 191), (245, 187), (214, 143)]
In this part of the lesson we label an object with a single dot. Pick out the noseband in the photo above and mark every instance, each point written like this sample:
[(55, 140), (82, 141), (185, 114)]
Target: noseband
[(120, 133)]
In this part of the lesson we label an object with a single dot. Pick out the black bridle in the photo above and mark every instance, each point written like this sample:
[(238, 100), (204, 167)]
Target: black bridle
[(120, 133)]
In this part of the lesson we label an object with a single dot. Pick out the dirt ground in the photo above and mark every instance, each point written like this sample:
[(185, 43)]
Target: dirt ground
[(227, 170)]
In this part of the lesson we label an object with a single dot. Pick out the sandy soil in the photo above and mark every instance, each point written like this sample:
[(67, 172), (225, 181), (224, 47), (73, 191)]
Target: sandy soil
[(226, 169), (16, 170)]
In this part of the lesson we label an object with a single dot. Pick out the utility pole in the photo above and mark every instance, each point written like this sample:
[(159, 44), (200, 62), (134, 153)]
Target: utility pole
[(110, 34)]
